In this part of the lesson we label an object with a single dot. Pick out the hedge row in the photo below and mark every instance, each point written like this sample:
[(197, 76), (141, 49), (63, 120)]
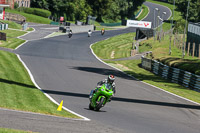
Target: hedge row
[(36, 11)]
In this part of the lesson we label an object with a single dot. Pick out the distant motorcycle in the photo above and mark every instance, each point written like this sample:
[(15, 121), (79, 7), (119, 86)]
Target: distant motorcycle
[(70, 34), (100, 97), (89, 33), (102, 32)]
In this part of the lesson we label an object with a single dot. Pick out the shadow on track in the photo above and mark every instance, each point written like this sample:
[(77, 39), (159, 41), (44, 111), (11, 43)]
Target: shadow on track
[(127, 100), (104, 71)]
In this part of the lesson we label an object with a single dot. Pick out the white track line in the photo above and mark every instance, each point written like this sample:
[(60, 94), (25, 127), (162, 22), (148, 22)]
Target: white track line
[(33, 113), (48, 96), (147, 13), (33, 80)]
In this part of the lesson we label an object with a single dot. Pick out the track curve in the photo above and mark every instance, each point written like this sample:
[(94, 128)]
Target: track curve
[(67, 70)]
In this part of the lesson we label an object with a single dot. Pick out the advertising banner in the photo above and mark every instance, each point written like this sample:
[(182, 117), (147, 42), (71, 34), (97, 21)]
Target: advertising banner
[(139, 24)]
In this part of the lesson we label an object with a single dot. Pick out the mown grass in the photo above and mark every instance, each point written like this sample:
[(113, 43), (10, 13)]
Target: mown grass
[(12, 40), (121, 46), (104, 50), (18, 92), (144, 12), (5, 130), (161, 53), (12, 24), (31, 17)]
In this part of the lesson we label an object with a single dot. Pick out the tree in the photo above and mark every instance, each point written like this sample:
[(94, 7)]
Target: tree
[(99, 7), (194, 11), (40, 4), (80, 9)]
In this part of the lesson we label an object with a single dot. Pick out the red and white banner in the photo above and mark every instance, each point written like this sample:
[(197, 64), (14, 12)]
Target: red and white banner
[(140, 24)]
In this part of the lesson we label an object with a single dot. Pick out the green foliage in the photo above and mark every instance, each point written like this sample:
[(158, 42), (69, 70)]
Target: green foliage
[(113, 10), (36, 11), (42, 12), (31, 17), (179, 26), (12, 24), (16, 5), (193, 12)]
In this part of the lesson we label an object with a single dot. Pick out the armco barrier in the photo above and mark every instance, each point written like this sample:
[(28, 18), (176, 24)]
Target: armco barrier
[(3, 26), (175, 75)]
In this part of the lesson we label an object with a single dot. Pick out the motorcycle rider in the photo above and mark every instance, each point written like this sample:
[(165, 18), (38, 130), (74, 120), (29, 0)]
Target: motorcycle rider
[(110, 80), (70, 33), (102, 31), (89, 33)]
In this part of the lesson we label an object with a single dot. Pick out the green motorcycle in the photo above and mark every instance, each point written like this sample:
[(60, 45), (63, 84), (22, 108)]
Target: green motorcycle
[(100, 97)]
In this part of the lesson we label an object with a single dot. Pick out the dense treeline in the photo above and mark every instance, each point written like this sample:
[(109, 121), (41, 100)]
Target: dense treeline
[(79, 9), (193, 11)]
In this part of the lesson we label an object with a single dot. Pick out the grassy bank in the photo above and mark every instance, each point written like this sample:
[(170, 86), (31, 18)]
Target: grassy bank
[(12, 40), (104, 50), (18, 92), (120, 45), (144, 12), (161, 53), (31, 17), (12, 24)]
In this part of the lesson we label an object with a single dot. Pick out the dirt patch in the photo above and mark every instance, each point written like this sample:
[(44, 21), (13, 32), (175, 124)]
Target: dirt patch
[(112, 55)]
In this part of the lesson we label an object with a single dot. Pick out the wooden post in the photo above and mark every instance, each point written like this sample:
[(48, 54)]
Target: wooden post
[(133, 45), (188, 51), (174, 40), (199, 51), (193, 50), (184, 47)]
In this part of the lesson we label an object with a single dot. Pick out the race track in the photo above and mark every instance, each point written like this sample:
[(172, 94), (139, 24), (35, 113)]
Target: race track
[(66, 69)]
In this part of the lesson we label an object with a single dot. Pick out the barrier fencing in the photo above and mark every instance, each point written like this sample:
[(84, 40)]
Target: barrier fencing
[(175, 75)]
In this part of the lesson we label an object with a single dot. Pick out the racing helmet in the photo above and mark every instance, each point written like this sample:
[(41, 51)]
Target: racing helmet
[(111, 79)]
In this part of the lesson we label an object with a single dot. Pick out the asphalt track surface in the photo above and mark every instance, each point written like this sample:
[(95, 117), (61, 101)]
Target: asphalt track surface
[(66, 69)]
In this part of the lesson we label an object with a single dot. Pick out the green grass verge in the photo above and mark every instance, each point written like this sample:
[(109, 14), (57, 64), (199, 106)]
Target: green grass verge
[(12, 24), (121, 44), (5, 130), (31, 17), (104, 50), (18, 92), (12, 40), (30, 29), (144, 12), (161, 53)]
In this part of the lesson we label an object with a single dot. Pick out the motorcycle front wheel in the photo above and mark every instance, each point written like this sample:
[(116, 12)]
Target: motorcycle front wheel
[(100, 104), (90, 107)]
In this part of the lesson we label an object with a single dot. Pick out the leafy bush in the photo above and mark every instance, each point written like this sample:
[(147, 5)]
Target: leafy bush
[(16, 5), (36, 11), (42, 12), (29, 10)]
